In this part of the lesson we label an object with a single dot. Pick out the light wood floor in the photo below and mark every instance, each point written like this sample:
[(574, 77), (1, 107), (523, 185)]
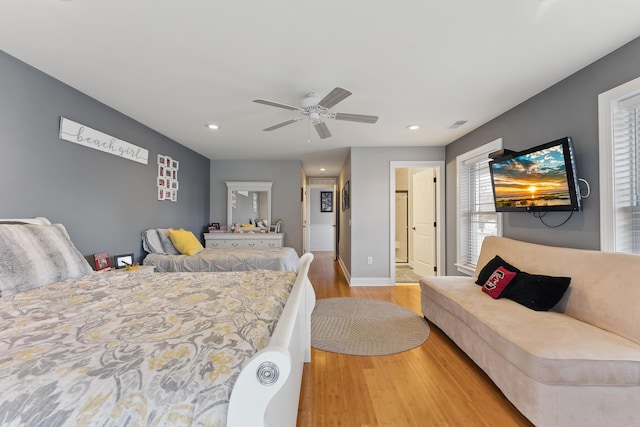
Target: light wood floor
[(435, 384)]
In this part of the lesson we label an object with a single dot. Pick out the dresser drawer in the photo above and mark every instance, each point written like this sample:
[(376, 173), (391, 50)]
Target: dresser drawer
[(223, 244)]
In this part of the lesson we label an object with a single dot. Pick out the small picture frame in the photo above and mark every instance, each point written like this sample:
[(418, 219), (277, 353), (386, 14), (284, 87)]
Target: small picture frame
[(121, 261), (161, 192), (102, 261), (162, 160), (214, 226), (326, 201)]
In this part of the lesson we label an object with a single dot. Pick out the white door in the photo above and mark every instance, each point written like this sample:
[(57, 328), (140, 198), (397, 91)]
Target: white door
[(423, 218)]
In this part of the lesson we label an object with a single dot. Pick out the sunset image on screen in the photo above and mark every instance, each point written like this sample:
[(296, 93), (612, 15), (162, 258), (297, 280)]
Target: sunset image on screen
[(535, 179)]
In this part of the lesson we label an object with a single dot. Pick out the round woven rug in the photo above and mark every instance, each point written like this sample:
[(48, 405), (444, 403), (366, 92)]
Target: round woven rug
[(365, 327)]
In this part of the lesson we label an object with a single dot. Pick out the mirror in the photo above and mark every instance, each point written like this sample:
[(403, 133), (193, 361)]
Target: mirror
[(248, 200)]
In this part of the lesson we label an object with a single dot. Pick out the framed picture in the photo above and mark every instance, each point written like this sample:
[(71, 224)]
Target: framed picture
[(326, 201), (214, 226), (102, 261), (122, 261), (162, 160), (345, 196)]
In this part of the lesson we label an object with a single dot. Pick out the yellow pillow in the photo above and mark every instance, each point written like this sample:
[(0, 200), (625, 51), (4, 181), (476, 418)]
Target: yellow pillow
[(185, 242)]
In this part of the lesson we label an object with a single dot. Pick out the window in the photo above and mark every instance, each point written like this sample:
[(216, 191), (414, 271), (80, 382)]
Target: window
[(477, 217), (619, 122)]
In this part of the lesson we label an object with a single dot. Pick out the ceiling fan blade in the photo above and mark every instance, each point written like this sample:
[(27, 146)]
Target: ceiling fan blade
[(360, 118), (279, 125), (276, 104), (335, 96), (322, 129)]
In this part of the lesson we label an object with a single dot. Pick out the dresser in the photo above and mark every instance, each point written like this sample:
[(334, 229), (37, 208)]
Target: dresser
[(243, 240)]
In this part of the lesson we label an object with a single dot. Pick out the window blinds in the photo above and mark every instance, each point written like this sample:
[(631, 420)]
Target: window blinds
[(478, 217), (626, 171)]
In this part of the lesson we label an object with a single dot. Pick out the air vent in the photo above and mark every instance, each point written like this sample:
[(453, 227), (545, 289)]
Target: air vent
[(457, 124)]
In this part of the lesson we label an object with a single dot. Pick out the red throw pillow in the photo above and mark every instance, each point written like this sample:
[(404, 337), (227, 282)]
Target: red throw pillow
[(498, 281)]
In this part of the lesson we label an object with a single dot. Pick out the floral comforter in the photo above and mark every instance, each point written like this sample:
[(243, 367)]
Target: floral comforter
[(133, 349)]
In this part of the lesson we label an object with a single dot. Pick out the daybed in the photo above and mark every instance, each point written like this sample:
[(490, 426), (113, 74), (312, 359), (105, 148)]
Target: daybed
[(166, 258), (127, 348), (575, 365)]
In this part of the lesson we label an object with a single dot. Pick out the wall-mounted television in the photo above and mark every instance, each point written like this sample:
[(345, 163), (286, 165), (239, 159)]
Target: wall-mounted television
[(542, 178)]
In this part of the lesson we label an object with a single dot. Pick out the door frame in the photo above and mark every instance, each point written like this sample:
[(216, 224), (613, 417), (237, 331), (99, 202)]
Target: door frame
[(307, 220), (439, 214)]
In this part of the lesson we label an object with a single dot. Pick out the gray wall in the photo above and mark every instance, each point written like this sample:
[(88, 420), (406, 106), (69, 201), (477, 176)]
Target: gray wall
[(370, 210), (569, 108), (285, 193), (104, 201)]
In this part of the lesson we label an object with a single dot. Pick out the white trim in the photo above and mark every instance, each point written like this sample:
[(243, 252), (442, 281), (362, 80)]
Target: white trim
[(606, 101), (482, 150), (440, 216), (371, 281)]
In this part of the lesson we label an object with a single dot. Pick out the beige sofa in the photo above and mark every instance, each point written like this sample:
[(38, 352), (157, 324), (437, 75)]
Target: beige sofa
[(575, 365)]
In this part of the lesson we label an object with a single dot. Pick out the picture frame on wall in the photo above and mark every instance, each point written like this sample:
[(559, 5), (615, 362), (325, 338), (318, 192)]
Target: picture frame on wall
[(326, 201), (345, 197)]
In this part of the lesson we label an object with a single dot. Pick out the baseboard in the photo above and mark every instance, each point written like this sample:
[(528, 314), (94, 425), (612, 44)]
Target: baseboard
[(363, 281), (370, 281)]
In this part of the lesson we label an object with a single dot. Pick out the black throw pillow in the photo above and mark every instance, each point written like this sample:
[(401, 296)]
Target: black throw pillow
[(536, 291), (492, 266)]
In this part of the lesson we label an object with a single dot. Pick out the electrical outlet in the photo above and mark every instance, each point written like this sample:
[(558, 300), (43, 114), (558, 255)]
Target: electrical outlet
[(370, 260)]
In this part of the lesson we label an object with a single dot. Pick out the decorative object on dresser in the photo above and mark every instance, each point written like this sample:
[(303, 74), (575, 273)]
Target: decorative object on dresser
[(102, 261), (121, 261), (80, 326)]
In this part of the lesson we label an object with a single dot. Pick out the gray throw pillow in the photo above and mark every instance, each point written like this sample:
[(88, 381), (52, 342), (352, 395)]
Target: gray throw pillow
[(37, 255)]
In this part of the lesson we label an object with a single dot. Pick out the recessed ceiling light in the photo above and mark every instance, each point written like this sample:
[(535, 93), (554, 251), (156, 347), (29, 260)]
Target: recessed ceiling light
[(213, 127), (322, 169), (413, 127)]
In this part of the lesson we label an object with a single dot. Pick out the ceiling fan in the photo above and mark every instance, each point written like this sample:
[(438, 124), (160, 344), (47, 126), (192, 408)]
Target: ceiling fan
[(317, 110)]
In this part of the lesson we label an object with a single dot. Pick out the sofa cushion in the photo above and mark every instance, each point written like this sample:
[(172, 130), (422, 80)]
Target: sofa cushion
[(498, 281), (536, 291), (490, 267)]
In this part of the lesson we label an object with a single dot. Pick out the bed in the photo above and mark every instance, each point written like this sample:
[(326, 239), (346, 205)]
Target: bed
[(162, 254), (131, 348)]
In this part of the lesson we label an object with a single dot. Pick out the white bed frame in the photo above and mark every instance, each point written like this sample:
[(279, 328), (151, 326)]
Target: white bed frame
[(267, 391)]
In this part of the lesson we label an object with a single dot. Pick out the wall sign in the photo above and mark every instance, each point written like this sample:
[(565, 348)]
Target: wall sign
[(83, 135)]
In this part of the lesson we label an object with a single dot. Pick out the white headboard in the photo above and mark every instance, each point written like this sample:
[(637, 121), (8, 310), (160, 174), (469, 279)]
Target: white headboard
[(37, 220)]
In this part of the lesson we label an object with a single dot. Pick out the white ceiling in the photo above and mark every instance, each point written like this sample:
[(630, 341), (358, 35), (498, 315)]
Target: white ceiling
[(178, 65)]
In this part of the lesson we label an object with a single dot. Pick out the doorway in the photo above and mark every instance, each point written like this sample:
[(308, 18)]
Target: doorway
[(416, 220), (321, 213)]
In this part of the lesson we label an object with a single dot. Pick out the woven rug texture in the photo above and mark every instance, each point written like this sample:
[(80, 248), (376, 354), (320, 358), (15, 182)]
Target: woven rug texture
[(365, 327)]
